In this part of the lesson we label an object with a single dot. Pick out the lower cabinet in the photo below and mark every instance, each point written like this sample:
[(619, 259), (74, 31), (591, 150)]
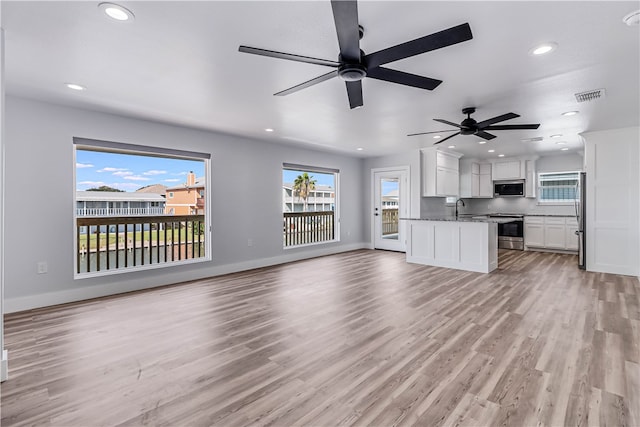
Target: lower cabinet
[(551, 233)]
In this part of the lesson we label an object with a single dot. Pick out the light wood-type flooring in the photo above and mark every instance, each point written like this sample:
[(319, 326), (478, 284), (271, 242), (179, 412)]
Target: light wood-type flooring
[(360, 338)]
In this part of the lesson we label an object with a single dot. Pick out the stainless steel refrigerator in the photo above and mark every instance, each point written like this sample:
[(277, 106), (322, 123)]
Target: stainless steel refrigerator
[(580, 206)]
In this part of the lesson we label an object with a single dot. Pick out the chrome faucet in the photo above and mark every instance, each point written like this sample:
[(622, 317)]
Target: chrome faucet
[(457, 201)]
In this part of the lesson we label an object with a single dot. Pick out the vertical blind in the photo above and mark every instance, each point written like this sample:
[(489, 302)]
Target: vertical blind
[(558, 186)]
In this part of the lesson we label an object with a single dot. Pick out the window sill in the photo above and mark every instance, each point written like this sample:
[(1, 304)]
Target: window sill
[(306, 245), (555, 203)]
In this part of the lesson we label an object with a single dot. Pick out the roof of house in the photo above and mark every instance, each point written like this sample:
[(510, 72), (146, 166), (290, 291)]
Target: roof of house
[(199, 183), (113, 196), (153, 188)]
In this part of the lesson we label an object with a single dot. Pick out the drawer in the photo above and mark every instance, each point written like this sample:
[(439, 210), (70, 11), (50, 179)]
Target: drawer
[(554, 220), (534, 220)]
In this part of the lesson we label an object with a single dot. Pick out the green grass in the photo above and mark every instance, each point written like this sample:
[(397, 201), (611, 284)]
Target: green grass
[(185, 235)]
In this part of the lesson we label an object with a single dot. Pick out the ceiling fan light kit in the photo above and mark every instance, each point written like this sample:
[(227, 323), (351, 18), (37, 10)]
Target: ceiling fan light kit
[(353, 65)]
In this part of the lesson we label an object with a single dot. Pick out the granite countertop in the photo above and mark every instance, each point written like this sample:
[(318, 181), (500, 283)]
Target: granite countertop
[(524, 214), (479, 218), (556, 215)]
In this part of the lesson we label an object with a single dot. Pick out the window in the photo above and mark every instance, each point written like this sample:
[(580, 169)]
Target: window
[(558, 187), (309, 205), (126, 218)]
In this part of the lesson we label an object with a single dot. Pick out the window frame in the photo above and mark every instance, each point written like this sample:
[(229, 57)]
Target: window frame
[(558, 202), (124, 148), (336, 203)]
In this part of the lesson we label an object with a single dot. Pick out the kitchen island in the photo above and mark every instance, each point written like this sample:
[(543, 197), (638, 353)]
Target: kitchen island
[(463, 243)]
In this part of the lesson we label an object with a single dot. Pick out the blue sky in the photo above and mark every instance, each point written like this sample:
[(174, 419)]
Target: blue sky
[(130, 172), (321, 178)]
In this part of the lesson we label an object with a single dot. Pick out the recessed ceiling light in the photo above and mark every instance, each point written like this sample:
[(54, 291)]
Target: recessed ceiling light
[(75, 86), (482, 142), (557, 135), (632, 18), (543, 48), (570, 113), (452, 146), (436, 136), (359, 148), (561, 142), (500, 155), (564, 149), (492, 151), (268, 130), (117, 12)]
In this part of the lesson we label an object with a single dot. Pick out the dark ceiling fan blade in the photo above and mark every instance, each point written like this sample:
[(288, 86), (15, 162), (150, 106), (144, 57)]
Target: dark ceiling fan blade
[(345, 16), (289, 56), (512, 127), (403, 78), (484, 135), (496, 119), (427, 133), (354, 92), (446, 122), (443, 140), (424, 44), (308, 83)]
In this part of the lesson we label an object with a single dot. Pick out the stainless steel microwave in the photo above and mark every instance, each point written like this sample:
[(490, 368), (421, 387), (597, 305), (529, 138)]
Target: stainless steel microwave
[(508, 188)]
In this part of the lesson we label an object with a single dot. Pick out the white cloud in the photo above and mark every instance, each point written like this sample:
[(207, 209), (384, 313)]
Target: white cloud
[(110, 169), (122, 173), (180, 173), (136, 178), (154, 172), (83, 165), (92, 183), (172, 180)]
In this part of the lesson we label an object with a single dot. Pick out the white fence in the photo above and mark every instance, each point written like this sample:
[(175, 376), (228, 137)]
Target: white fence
[(119, 211)]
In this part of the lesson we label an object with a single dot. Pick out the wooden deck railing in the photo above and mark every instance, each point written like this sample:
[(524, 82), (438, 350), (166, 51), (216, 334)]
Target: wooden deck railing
[(389, 221), (301, 228), (109, 243)]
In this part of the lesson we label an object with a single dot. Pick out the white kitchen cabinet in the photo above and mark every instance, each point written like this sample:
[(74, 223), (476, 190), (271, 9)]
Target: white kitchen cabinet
[(534, 231), (510, 169), (475, 180), (555, 236), (530, 183), (571, 236), (555, 233), (486, 182), (440, 173)]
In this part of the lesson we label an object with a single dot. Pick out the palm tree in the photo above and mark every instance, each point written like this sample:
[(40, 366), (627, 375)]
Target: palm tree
[(303, 186)]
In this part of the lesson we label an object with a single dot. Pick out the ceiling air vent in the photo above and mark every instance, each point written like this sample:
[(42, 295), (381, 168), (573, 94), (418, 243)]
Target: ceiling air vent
[(590, 95)]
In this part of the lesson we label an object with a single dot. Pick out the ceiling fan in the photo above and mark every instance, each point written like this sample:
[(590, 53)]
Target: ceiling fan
[(470, 127), (353, 65)]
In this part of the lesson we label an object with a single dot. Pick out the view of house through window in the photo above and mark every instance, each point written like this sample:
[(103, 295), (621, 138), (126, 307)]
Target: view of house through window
[(558, 187), (138, 208), (309, 200)]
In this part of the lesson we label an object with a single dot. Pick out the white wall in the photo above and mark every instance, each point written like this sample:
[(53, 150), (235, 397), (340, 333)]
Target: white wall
[(613, 201), (246, 191), (555, 163)]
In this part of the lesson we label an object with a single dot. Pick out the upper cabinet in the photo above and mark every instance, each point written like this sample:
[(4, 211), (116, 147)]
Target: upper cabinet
[(475, 180), (531, 182), (508, 169), (440, 172)]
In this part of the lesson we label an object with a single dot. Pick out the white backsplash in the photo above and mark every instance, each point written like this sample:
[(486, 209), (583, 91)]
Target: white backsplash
[(521, 205)]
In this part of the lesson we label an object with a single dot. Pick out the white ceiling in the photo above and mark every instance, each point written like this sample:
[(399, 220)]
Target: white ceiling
[(178, 62)]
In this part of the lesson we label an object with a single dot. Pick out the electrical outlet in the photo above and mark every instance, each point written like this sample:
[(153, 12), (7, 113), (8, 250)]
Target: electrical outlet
[(250, 242), (42, 267)]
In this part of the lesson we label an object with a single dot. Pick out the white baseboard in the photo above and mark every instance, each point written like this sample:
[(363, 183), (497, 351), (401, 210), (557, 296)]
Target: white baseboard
[(12, 305), (4, 366)]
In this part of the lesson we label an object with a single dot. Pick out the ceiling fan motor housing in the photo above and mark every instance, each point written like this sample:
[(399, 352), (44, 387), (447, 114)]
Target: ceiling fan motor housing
[(468, 126), (352, 72)]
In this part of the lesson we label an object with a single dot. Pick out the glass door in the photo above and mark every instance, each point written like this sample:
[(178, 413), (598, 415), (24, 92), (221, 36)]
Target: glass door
[(389, 206)]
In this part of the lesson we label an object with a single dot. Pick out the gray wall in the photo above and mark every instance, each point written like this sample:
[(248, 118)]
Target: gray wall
[(246, 191)]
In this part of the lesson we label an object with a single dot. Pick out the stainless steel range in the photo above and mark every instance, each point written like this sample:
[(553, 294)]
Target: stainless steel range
[(510, 234)]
